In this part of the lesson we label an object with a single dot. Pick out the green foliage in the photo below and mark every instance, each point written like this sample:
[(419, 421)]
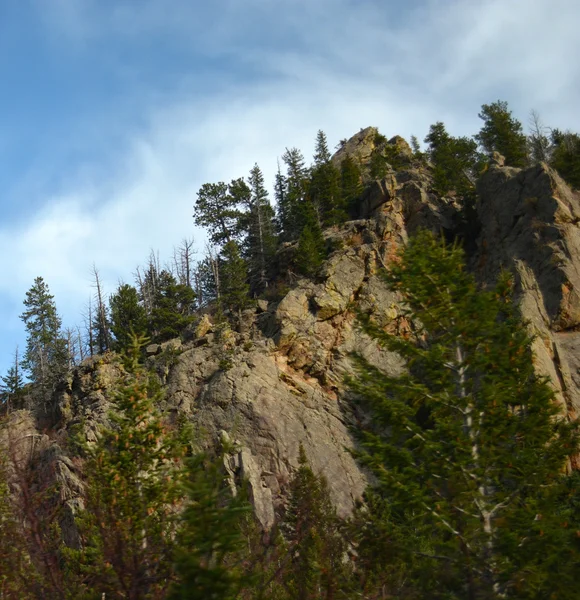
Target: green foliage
[(351, 186), (128, 317), (210, 539), (217, 209), (173, 308), (133, 482), (310, 251), (295, 208), (260, 244), (456, 161), (317, 550), (324, 189), (502, 133), (466, 446), (12, 383), (233, 279), (46, 357), (565, 156)]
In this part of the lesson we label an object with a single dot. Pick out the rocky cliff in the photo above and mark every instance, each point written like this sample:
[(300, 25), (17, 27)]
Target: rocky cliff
[(277, 381)]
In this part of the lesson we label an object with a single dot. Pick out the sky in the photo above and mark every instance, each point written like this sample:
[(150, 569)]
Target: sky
[(113, 113)]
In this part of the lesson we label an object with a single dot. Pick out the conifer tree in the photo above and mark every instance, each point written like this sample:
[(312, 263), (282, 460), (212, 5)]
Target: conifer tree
[(210, 541), (351, 186), (234, 288), (317, 550), (296, 210), (128, 317), (12, 383), (173, 308), (217, 209), (325, 186), (565, 156), (456, 161), (46, 357), (101, 326), (261, 239), (502, 133), (468, 449), (133, 486), (206, 279), (310, 251)]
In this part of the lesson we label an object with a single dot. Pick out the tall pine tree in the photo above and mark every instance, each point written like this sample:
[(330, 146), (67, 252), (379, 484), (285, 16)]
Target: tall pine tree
[(468, 448), (261, 240), (46, 357), (502, 133), (325, 186)]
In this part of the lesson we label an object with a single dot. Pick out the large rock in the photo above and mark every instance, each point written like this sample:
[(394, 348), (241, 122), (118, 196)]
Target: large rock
[(529, 225)]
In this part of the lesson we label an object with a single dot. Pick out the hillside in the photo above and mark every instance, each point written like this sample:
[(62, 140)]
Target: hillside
[(274, 381)]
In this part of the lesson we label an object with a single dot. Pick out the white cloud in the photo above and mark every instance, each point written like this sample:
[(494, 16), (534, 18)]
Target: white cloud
[(350, 68)]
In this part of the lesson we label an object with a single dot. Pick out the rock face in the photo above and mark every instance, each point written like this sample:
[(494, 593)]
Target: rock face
[(529, 225), (277, 382)]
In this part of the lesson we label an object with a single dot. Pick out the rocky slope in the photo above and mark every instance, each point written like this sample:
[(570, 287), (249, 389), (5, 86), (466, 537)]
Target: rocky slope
[(277, 382)]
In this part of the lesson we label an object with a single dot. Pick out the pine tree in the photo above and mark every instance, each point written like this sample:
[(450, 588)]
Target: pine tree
[(310, 251), (173, 308), (217, 209), (261, 240), (101, 326), (565, 156), (351, 187), (317, 550), (456, 161), (46, 357), (468, 450), (133, 486), (502, 133), (128, 317), (12, 383), (324, 187), (234, 287), (210, 541), (294, 205)]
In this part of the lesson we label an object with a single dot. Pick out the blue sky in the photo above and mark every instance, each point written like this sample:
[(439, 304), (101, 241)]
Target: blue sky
[(114, 112)]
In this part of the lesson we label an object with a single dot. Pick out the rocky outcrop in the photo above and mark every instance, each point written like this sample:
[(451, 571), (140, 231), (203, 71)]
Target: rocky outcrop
[(278, 381), (530, 226)]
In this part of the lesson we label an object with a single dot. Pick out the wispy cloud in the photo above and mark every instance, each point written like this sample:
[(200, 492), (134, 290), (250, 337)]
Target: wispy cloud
[(287, 69)]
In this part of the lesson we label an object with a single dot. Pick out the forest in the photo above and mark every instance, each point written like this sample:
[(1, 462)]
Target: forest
[(471, 494)]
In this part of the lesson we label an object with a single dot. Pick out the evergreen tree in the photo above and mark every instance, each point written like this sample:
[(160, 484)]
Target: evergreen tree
[(210, 540), (294, 206), (351, 186), (101, 325), (566, 156), (456, 161), (12, 383), (205, 280), (46, 357), (310, 251), (173, 308), (324, 187), (502, 133), (234, 288), (317, 550), (128, 317), (261, 239), (217, 209), (468, 450), (133, 486)]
